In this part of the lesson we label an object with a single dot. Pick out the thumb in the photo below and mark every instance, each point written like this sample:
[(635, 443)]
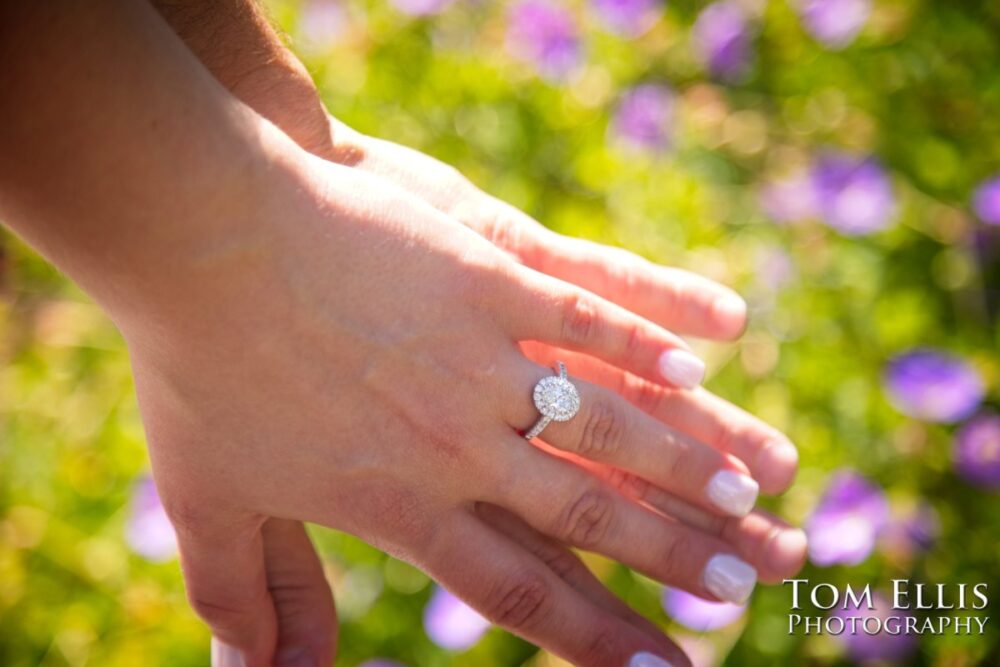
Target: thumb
[(307, 619), (223, 563)]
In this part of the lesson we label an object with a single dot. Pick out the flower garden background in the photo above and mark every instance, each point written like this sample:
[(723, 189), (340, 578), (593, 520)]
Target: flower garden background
[(837, 161)]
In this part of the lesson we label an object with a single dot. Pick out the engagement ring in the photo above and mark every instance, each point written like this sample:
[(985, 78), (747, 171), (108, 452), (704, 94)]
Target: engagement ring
[(556, 398)]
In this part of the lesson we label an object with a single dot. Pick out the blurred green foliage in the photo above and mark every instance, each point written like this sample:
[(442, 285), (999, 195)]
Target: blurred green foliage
[(920, 88)]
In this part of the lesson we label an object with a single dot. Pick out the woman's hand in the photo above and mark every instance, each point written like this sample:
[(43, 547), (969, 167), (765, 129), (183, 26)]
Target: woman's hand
[(353, 359), (311, 342)]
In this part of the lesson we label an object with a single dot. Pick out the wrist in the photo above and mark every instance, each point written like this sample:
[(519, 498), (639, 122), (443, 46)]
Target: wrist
[(182, 263)]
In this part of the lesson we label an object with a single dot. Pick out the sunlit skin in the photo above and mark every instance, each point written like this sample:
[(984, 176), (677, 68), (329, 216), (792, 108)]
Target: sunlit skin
[(335, 330)]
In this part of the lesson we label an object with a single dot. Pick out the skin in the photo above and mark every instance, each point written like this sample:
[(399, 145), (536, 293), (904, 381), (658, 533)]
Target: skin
[(284, 376)]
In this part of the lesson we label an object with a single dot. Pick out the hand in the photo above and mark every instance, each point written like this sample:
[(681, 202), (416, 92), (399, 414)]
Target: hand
[(677, 300), (280, 89), (304, 381)]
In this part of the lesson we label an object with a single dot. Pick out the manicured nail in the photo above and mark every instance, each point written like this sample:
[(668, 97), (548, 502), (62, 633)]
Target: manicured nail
[(729, 578), (295, 656), (733, 492), (778, 452), (682, 368), (647, 660), (224, 655), (786, 551), (775, 465)]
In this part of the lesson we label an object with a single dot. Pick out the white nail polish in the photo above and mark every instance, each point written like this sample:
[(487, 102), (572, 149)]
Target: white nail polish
[(647, 660), (224, 655), (729, 578), (732, 492), (682, 368)]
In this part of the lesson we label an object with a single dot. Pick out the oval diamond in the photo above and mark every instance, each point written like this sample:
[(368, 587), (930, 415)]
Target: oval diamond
[(556, 398)]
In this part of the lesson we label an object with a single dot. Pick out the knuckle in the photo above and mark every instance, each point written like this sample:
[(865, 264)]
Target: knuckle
[(587, 521), (500, 228), (519, 603), (221, 611), (579, 321), (674, 460), (603, 647), (634, 342), (560, 561), (629, 484), (646, 395), (674, 551), (603, 429)]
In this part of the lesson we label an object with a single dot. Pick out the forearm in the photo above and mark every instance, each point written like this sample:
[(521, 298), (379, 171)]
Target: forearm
[(123, 160), (235, 41)]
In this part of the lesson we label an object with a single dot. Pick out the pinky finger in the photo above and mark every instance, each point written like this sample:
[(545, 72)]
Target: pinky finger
[(515, 590), (567, 565)]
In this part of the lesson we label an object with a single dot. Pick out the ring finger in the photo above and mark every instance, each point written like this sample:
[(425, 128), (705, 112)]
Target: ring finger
[(610, 430)]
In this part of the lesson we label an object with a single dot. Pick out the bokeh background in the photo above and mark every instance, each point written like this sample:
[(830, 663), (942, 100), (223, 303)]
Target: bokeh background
[(837, 161)]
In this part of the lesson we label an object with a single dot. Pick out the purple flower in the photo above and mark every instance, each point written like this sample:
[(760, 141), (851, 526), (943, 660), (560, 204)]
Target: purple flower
[(696, 614), (976, 451), (546, 35), (790, 199), (644, 118), (853, 195), (845, 525), (420, 7), (452, 624), (630, 18), (986, 201), (148, 531), (722, 38), (890, 642), (321, 22), (834, 23), (915, 530), (933, 386)]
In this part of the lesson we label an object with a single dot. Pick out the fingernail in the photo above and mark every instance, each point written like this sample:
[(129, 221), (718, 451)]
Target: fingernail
[(645, 659), (775, 465), (224, 655), (682, 368), (729, 578), (786, 551), (778, 453), (732, 310), (733, 492), (295, 656)]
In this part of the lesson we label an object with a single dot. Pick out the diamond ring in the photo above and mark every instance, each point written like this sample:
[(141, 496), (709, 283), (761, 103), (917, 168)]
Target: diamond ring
[(556, 398)]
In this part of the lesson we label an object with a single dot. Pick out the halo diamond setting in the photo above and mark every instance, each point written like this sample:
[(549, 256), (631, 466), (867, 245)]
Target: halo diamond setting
[(556, 398)]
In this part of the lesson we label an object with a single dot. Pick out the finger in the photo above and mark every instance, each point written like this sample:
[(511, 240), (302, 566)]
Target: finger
[(223, 563), (538, 307), (307, 622), (610, 430), (770, 456), (774, 548), (678, 300), (517, 591), (560, 499), (565, 564)]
